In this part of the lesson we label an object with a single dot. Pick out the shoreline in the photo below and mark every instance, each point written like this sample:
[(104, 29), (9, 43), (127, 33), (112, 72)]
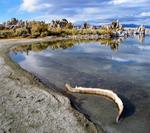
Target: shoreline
[(26, 93)]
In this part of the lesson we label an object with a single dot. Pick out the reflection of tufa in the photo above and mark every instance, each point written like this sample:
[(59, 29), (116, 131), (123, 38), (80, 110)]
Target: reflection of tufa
[(103, 92)]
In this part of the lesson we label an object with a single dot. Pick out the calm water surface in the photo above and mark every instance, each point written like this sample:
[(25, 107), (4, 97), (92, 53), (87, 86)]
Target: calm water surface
[(123, 66)]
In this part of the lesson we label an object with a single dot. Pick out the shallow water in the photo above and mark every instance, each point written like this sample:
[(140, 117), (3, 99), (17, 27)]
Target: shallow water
[(123, 66)]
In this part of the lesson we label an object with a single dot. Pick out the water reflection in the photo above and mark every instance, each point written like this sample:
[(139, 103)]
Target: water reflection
[(64, 44), (139, 37)]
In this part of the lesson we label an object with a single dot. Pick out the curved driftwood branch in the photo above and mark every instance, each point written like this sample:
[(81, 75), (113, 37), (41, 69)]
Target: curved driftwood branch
[(103, 92)]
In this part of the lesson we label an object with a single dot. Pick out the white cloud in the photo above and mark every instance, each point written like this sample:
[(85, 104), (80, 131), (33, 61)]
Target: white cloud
[(145, 14), (91, 10), (33, 5), (95, 12), (117, 2), (130, 2)]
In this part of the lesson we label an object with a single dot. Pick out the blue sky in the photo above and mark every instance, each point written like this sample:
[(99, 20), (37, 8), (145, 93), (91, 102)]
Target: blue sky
[(93, 11)]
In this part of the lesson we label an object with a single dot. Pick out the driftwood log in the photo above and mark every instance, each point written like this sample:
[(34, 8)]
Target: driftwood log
[(103, 92)]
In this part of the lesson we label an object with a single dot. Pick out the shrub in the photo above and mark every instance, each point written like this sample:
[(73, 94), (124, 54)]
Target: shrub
[(7, 34), (104, 32), (35, 35), (38, 27), (70, 31), (21, 32), (44, 34), (55, 32)]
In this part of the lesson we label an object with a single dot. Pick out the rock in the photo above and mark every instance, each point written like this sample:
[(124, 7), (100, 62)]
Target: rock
[(61, 24), (2, 27), (140, 30)]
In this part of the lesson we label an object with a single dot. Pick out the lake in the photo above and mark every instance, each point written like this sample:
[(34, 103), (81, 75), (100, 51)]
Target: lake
[(122, 65)]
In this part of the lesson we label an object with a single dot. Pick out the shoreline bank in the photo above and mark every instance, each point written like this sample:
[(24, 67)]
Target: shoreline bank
[(29, 106)]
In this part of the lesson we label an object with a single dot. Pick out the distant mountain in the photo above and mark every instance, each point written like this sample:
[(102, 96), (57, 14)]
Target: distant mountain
[(134, 26), (96, 23)]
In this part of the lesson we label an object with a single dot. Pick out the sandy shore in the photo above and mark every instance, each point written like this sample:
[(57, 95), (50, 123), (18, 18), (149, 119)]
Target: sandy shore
[(28, 106)]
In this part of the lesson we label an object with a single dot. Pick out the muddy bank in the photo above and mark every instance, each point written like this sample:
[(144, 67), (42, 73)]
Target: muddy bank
[(26, 105)]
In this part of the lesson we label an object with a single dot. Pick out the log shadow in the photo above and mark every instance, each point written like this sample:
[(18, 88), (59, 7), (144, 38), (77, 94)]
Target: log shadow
[(129, 107)]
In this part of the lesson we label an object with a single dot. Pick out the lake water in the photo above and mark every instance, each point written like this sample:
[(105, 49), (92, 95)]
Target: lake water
[(120, 65)]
